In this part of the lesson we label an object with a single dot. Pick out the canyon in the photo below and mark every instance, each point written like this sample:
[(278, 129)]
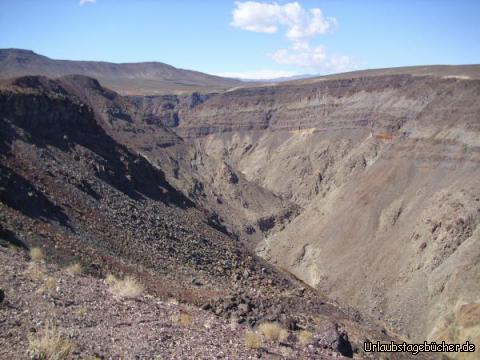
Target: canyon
[(376, 187), (361, 190)]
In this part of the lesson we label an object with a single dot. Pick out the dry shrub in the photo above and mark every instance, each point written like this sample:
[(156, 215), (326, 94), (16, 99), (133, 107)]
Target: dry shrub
[(49, 287), (185, 319), (127, 288), (34, 271), (36, 254), (273, 331), (74, 269), (111, 279), (51, 284), (50, 345), (304, 337), (253, 340)]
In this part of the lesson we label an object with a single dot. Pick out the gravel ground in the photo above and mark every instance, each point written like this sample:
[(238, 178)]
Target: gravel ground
[(84, 310)]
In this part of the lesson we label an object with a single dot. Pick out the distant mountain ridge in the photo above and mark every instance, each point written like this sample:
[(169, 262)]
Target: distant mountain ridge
[(145, 78)]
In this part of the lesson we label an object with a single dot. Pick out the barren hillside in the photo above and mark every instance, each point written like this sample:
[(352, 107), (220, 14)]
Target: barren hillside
[(129, 78)]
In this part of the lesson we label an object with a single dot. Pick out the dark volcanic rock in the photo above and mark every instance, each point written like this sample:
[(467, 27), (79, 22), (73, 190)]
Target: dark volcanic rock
[(336, 340)]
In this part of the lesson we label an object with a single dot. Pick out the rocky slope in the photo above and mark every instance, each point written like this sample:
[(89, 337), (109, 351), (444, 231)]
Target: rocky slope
[(384, 171), (96, 324), (69, 186), (129, 78)]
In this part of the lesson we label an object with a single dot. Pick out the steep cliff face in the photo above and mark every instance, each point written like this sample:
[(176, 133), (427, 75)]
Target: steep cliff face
[(385, 173)]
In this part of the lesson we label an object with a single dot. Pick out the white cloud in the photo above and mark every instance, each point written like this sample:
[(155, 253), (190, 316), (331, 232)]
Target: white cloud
[(316, 58), (263, 74), (83, 2), (267, 18), (300, 25)]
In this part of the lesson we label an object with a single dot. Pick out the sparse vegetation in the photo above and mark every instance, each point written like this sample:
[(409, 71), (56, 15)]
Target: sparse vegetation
[(50, 345), (51, 284), (253, 340), (304, 337), (82, 311), (74, 269), (34, 271), (127, 288), (36, 254), (49, 287), (273, 331), (185, 319), (111, 279)]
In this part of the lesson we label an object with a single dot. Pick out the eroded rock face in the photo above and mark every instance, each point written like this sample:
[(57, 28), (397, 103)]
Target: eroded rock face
[(365, 188), (385, 174)]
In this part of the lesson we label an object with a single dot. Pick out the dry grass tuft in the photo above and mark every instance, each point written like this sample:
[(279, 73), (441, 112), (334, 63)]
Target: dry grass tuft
[(34, 271), (49, 287), (74, 269), (50, 345), (82, 311), (185, 319), (36, 254), (253, 340), (304, 337), (111, 279), (128, 288), (273, 331), (51, 284)]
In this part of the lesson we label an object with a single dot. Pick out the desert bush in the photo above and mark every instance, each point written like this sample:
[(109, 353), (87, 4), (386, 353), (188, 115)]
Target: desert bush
[(127, 288), (253, 340), (74, 269), (304, 337), (273, 331), (36, 254), (50, 345)]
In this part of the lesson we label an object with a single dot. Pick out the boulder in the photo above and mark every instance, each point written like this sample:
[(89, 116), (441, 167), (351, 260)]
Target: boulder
[(336, 340)]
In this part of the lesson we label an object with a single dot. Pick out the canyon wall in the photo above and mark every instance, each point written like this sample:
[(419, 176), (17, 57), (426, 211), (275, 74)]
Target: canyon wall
[(384, 174)]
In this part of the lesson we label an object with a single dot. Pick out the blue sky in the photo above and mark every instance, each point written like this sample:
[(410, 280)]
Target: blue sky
[(248, 38)]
